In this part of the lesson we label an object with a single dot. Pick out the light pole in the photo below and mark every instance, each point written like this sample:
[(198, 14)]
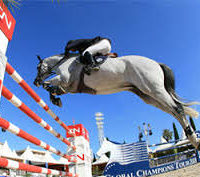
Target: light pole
[(146, 129), (99, 121)]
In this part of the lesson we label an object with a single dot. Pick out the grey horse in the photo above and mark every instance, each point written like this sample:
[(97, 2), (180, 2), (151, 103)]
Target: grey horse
[(153, 82)]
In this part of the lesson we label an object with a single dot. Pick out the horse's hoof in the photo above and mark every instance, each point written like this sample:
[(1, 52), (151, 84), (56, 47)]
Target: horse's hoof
[(57, 102)]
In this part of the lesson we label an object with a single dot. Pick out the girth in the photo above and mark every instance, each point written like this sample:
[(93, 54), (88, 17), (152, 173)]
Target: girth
[(82, 88)]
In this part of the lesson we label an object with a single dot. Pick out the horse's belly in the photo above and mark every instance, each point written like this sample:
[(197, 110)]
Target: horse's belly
[(110, 91)]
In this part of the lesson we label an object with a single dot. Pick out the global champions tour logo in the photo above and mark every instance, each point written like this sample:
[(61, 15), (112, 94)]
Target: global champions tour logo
[(141, 168), (159, 170)]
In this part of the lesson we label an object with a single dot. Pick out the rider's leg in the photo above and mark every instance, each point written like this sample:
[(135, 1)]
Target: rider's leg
[(87, 59), (102, 47)]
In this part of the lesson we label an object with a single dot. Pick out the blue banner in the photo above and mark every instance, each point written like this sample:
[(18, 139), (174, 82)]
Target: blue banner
[(131, 160), (138, 169)]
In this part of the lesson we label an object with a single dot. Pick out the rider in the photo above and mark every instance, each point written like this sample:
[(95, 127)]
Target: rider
[(88, 48)]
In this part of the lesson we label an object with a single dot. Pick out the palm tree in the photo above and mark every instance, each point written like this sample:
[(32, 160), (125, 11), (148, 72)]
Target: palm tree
[(11, 4)]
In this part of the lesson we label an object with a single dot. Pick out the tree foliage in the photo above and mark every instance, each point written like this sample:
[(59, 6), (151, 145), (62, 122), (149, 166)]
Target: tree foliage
[(11, 4), (176, 136), (167, 134), (192, 124)]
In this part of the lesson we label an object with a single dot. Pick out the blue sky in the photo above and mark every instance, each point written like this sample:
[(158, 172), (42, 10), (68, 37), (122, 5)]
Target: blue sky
[(166, 31)]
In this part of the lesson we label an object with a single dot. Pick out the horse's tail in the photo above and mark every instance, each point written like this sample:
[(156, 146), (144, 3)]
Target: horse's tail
[(169, 83)]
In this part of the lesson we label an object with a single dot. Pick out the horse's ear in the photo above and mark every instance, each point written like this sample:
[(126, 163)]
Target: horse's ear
[(39, 58)]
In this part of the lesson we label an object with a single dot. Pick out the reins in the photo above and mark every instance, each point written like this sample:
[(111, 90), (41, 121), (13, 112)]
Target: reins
[(50, 69)]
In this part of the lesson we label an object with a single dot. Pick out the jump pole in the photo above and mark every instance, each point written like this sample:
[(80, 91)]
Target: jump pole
[(20, 105), (11, 164), (28, 137), (23, 84), (7, 25)]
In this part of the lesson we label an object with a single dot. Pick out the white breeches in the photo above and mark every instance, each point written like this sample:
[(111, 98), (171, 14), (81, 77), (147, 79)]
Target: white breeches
[(103, 47)]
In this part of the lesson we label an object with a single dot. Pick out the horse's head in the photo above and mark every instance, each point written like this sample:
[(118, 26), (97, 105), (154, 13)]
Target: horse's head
[(47, 66), (105, 147), (42, 72)]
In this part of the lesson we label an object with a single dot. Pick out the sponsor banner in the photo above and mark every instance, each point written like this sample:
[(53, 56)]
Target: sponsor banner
[(78, 130), (198, 152), (138, 170), (131, 160), (198, 133), (7, 22), (81, 158)]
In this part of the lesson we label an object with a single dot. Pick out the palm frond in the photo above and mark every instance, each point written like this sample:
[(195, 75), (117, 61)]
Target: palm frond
[(55, 0), (11, 4)]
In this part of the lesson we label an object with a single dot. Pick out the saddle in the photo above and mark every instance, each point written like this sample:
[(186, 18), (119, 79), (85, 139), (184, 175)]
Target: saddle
[(81, 87), (99, 60), (112, 55)]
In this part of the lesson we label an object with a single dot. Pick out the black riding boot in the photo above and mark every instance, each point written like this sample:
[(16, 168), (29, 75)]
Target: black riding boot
[(87, 59), (89, 62)]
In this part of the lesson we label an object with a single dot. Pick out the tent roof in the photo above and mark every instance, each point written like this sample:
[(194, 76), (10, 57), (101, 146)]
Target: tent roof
[(101, 160), (5, 151)]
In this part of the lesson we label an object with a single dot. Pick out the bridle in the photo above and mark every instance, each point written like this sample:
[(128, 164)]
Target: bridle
[(50, 71)]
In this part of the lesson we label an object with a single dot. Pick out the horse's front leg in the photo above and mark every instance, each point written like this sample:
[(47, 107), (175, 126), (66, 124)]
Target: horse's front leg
[(55, 81), (53, 86)]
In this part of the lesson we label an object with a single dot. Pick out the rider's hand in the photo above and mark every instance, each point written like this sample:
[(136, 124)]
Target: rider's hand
[(66, 53)]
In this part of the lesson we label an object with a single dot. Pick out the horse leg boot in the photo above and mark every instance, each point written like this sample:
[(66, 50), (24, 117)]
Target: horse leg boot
[(55, 101), (55, 88), (46, 86), (189, 132)]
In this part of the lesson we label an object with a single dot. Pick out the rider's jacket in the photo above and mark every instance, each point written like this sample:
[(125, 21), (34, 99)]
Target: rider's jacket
[(82, 44)]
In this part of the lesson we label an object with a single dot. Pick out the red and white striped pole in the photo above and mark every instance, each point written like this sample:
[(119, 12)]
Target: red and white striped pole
[(22, 134), (7, 25), (11, 164), (17, 78), (19, 104)]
